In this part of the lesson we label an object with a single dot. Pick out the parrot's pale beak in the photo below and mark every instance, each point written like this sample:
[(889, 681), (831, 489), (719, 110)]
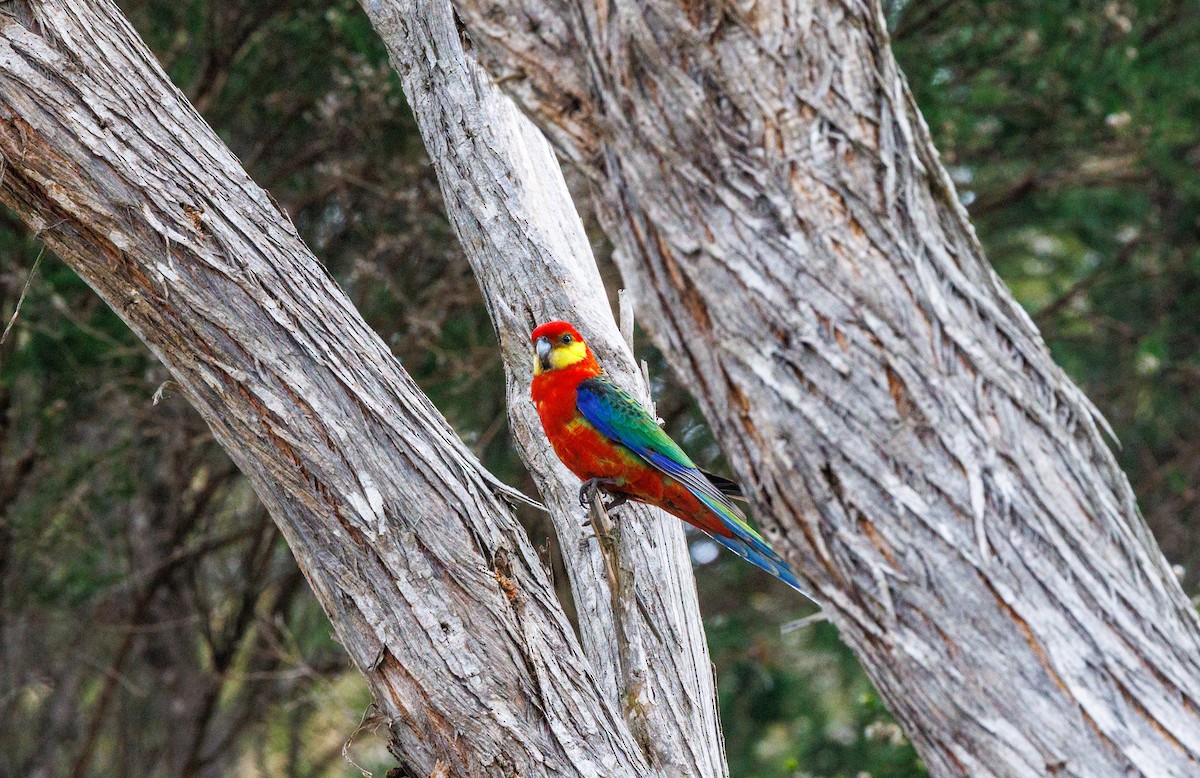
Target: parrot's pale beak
[(543, 355)]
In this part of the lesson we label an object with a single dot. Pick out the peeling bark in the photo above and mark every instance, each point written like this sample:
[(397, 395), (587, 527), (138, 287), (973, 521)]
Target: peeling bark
[(431, 584), (800, 255), (506, 197)]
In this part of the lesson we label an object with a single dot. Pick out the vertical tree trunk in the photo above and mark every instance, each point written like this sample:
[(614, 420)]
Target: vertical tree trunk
[(431, 584), (800, 255), (510, 207)]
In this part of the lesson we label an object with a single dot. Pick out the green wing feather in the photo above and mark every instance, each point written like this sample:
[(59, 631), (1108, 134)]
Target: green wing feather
[(619, 416)]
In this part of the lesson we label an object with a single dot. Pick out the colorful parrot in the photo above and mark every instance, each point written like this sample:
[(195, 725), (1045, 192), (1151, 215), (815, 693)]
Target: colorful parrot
[(605, 436)]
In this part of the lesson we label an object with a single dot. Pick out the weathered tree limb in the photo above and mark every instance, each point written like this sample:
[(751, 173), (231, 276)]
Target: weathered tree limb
[(800, 255), (431, 584), (508, 202)]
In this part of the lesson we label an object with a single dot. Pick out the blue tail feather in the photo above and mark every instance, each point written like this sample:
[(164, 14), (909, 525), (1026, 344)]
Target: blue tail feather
[(770, 561), (749, 545)]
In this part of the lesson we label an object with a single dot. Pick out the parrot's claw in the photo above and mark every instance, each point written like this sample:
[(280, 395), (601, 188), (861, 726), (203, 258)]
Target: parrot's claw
[(591, 485), (617, 501)]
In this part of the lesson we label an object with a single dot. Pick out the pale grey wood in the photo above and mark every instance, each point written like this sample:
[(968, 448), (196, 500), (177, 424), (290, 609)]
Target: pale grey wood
[(430, 582), (799, 253), (509, 205)]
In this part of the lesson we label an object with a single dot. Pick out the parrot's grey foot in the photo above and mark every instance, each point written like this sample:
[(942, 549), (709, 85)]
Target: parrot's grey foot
[(591, 485)]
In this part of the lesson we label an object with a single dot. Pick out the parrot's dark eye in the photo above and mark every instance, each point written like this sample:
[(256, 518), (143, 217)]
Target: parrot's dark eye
[(566, 340)]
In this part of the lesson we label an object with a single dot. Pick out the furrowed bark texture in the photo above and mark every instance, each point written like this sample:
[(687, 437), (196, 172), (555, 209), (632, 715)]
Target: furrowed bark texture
[(509, 204), (431, 584), (800, 254)]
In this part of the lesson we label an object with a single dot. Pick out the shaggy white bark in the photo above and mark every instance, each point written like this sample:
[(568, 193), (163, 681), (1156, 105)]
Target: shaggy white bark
[(510, 207), (431, 584), (800, 255)]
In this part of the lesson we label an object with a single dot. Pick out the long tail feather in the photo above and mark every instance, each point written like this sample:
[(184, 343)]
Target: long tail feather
[(771, 563), (749, 545), (745, 542)]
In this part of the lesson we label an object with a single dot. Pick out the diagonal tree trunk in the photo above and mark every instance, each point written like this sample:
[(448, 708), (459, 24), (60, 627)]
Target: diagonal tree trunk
[(509, 204), (800, 254), (430, 582)]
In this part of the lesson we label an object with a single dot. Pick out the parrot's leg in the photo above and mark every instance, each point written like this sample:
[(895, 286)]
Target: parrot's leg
[(590, 486)]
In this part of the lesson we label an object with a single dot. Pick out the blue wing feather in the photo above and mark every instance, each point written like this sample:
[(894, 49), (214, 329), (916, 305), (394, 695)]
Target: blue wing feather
[(621, 418)]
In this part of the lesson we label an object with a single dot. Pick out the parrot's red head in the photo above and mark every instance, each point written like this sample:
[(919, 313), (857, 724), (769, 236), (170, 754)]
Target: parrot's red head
[(559, 345)]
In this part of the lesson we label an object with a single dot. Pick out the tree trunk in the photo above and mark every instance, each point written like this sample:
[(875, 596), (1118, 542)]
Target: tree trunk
[(431, 584), (800, 255), (510, 207)]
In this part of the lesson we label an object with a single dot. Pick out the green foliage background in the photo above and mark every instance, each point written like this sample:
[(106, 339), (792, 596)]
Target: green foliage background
[(153, 623)]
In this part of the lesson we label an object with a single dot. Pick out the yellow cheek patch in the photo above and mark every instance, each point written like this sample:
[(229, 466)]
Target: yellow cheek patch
[(565, 356)]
